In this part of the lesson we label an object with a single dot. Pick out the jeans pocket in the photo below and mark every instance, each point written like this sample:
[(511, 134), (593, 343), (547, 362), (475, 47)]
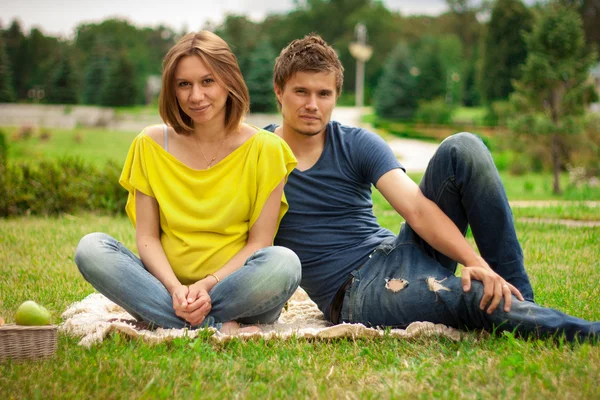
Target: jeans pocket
[(387, 246)]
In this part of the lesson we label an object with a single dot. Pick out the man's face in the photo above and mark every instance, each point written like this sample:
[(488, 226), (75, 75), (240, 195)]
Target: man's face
[(307, 102)]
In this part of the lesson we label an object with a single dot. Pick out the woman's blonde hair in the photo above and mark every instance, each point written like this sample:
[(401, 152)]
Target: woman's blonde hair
[(219, 58)]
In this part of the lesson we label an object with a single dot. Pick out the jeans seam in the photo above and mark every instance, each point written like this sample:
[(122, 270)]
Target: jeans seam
[(450, 179)]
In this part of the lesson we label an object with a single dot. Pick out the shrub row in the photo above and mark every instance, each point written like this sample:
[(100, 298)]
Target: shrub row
[(67, 185)]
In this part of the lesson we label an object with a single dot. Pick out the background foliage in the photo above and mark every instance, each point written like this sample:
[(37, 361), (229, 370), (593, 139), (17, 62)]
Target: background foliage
[(469, 45)]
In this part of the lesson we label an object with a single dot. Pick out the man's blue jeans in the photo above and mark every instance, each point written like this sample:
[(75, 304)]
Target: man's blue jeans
[(405, 280), (256, 293)]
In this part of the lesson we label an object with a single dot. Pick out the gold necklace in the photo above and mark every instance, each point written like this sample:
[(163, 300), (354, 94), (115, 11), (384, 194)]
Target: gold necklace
[(209, 164)]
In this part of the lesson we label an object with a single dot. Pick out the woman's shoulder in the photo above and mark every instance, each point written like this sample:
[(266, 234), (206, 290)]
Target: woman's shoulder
[(266, 137), (156, 133)]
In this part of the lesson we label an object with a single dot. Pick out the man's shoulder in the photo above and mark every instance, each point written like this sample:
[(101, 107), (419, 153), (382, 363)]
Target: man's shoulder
[(271, 127), (351, 134)]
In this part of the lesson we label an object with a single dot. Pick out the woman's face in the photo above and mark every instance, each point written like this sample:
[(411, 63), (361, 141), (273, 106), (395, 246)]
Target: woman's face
[(198, 93)]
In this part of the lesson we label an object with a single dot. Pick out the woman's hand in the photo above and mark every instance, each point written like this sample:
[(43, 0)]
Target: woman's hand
[(195, 305), (179, 295)]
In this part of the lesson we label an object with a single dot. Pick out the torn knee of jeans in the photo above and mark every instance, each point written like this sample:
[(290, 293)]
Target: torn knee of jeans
[(435, 285), (395, 285)]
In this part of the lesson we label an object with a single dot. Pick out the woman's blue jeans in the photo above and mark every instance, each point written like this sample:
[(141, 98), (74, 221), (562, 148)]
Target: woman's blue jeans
[(463, 181), (254, 294)]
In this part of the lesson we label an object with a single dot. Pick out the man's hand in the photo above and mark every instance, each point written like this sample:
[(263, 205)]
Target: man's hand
[(198, 304), (494, 288)]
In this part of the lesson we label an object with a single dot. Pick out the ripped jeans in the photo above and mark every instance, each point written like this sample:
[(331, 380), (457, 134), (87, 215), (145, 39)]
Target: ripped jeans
[(463, 181), (401, 284)]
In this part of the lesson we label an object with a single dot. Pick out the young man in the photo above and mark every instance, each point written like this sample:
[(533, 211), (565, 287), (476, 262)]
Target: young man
[(355, 270)]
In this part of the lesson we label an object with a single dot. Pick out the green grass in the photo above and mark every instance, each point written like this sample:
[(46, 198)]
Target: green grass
[(469, 115), (36, 262), (139, 110), (577, 211), (94, 145), (539, 187)]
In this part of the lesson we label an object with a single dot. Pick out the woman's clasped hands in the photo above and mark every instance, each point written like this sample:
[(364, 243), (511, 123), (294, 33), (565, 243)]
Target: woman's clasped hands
[(192, 303)]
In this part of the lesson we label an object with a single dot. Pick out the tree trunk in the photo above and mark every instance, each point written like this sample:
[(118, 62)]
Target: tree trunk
[(556, 163)]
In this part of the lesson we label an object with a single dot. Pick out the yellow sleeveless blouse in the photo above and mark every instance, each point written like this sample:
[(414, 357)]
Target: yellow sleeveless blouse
[(205, 215)]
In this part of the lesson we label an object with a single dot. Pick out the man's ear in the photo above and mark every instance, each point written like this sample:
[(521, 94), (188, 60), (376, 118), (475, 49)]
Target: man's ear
[(278, 93)]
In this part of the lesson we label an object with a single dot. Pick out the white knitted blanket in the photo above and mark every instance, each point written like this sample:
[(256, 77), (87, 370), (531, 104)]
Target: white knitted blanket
[(89, 320)]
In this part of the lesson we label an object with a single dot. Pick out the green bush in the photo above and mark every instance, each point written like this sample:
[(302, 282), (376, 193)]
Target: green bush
[(498, 113), (3, 155), (67, 185), (435, 112)]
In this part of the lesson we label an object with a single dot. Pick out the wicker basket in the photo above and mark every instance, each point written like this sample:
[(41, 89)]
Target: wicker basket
[(20, 342)]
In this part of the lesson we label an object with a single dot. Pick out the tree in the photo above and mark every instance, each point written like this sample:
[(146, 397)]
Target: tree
[(120, 88), (95, 76), (241, 34), (14, 40), (260, 78), (590, 14), (396, 93), (41, 54), (554, 87), (145, 48), (431, 81), (63, 85), (7, 91), (504, 50)]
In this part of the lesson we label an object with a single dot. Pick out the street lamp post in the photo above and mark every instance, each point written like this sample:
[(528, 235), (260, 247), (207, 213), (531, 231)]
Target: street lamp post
[(362, 52)]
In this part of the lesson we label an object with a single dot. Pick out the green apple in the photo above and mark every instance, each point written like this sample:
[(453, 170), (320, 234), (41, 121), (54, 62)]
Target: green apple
[(32, 314)]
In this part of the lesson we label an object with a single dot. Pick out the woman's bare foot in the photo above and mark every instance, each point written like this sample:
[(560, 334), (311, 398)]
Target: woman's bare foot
[(233, 328)]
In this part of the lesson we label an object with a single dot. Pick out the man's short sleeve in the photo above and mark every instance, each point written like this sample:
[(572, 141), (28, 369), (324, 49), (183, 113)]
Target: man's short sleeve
[(374, 156)]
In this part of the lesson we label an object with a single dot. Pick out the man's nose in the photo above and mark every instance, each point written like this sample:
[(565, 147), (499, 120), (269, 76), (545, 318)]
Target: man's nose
[(311, 103)]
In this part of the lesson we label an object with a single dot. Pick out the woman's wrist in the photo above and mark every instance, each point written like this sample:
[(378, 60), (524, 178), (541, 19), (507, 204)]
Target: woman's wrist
[(173, 286), (206, 283)]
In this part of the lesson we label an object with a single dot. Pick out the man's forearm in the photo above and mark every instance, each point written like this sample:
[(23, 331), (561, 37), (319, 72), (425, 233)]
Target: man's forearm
[(437, 229)]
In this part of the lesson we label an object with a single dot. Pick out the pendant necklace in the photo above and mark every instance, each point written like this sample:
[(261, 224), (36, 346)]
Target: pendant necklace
[(209, 164)]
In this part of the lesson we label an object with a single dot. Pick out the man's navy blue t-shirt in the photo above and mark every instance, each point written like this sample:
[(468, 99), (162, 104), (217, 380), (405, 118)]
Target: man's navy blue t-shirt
[(330, 223)]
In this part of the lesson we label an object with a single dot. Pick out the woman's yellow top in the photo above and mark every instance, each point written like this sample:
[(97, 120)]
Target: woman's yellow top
[(205, 215)]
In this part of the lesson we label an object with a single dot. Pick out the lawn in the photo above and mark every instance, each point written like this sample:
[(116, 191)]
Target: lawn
[(36, 262), (95, 145)]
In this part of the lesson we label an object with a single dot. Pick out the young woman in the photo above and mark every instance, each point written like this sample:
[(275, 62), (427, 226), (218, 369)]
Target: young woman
[(205, 198)]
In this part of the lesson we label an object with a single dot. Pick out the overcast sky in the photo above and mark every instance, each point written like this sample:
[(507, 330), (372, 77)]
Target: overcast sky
[(61, 17)]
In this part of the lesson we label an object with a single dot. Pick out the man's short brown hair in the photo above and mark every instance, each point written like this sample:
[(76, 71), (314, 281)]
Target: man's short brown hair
[(309, 54), (219, 58)]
